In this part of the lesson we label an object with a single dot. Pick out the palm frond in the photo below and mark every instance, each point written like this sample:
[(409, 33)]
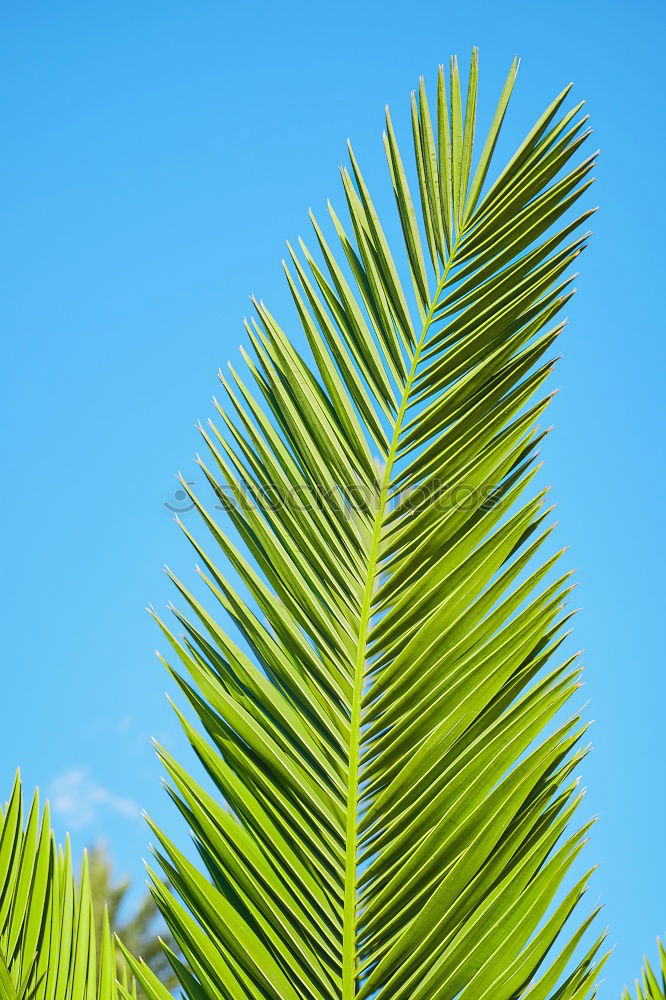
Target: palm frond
[(652, 985), (392, 771), (47, 933)]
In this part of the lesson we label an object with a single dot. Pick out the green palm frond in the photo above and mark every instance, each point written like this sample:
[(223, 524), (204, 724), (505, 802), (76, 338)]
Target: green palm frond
[(392, 769), (47, 934), (652, 986)]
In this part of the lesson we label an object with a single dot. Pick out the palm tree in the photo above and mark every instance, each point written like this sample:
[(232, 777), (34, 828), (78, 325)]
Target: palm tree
[(141, 931), (390, 808), (394, 807)]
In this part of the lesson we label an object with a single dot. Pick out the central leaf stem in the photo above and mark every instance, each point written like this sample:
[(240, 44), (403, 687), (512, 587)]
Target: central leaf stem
[(349, 946)]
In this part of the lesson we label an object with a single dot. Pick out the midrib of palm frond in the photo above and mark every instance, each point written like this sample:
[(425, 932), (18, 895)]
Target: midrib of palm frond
[(350, 937), (351, 966)]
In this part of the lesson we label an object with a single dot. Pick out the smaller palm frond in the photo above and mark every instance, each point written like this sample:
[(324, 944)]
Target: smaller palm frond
[(652, 985), (47, 933)]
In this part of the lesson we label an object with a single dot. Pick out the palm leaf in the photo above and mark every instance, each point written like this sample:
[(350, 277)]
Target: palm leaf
[(652, 985), (391, 793), (47, 933)]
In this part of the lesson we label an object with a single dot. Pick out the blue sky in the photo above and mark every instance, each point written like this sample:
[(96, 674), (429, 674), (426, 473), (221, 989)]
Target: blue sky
[(156, 157)]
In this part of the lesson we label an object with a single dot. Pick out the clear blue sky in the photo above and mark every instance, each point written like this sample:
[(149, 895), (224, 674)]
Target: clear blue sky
[(155, 158)]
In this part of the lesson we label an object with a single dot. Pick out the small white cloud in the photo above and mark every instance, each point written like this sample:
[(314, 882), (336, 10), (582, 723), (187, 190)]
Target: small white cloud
[(78, 798), (125, 723)]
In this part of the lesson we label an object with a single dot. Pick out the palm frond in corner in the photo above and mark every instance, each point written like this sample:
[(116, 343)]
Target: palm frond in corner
[(652, 985), (47, 934)]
